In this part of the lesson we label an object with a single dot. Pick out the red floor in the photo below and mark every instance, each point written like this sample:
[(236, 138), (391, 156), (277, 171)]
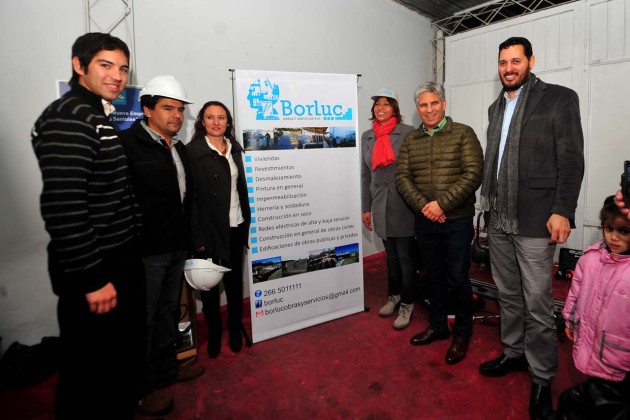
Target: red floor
[(354, 367)]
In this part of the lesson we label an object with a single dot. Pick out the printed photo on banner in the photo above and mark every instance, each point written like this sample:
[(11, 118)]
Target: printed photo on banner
[(279, 267), (290, 138)]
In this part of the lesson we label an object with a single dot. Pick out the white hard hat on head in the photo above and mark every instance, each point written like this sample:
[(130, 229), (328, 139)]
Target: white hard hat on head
[(203, 274), (166, 86)]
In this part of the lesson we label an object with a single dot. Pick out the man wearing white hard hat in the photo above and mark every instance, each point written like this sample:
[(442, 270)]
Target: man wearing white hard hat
[(162, 182)]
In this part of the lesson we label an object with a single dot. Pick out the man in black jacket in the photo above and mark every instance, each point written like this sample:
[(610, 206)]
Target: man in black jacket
[(91, 216), (162, 182)]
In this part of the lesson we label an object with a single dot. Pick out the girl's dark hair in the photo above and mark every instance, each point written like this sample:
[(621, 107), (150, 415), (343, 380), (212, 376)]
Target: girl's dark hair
[(393, 102), (88, 45), (199, 131), (609, 209)]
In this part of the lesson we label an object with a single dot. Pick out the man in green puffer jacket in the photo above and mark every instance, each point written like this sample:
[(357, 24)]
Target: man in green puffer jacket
[(439, 169)]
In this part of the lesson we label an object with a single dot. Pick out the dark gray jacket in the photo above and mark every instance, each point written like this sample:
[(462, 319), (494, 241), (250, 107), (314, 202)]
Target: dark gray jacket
[(390, 215), (551, 158)]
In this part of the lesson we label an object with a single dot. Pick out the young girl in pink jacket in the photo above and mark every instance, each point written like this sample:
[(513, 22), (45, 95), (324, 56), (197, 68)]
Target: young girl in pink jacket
[(597, 314)]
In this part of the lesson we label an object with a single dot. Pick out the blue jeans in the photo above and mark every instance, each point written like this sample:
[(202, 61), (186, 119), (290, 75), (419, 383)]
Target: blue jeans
[(163, 273), (401, 268), (445, 251)]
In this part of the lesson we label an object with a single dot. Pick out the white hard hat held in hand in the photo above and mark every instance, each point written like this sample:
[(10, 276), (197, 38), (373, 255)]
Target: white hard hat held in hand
[(203, 274)]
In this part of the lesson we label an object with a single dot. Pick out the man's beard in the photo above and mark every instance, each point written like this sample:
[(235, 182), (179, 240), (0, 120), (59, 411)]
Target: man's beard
[(518, 85)]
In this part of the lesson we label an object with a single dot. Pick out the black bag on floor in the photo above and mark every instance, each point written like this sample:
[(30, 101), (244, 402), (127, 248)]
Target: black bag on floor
[(480, 250), (23, 366)]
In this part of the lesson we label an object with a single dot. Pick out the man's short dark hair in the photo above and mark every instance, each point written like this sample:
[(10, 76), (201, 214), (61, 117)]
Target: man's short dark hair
[(517, 40), (88, 45), (150, 101)]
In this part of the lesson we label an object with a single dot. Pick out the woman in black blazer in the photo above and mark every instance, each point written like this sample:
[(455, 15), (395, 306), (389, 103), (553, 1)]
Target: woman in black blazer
[(220, 216)]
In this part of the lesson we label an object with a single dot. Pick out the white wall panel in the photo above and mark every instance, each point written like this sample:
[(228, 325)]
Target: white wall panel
[(606, 66), (36, 39), (592, 234), (465, 104), (566, 42), (538, 38), (552, 42), (609, 36), (501, 34), (598, 14), (491, 55), (615, 29), (526, 29), (553, 38), (559, 77), (491, 93), (459, 65), (609, 143), (476, 51)]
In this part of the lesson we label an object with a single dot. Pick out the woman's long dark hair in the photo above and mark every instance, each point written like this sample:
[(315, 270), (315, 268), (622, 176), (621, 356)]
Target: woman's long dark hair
[(199, 131)]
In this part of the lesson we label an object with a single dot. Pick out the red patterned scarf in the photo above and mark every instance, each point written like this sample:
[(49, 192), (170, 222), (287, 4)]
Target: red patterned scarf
[(383, 153)]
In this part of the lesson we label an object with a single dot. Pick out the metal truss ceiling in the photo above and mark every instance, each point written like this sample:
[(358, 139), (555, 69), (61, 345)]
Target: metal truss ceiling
[(492, 13)]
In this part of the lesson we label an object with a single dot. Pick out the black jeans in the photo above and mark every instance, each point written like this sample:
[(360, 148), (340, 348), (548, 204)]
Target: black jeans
[(445, 250), (103, 355), (163, 273), (401, 267)]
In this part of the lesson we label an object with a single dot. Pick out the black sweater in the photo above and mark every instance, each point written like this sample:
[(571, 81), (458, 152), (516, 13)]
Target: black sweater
[(87, 202)]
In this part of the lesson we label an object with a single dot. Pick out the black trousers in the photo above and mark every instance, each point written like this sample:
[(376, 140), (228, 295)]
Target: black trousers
[(445, 250), (103, 355), (233, 284), (596, 399), (401, 267)]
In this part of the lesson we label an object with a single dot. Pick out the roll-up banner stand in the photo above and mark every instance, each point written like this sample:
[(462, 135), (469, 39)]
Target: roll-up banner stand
[(299, 131)]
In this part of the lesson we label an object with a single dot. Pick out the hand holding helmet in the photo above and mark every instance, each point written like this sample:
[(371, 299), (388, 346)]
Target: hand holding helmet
[(203, 274)]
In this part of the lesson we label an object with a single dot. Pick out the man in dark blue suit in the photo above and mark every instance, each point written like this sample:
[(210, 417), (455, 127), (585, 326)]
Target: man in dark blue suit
[(533, 171)]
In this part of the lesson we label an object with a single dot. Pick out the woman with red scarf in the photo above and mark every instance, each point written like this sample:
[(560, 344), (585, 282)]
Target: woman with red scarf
[(384, 211)]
